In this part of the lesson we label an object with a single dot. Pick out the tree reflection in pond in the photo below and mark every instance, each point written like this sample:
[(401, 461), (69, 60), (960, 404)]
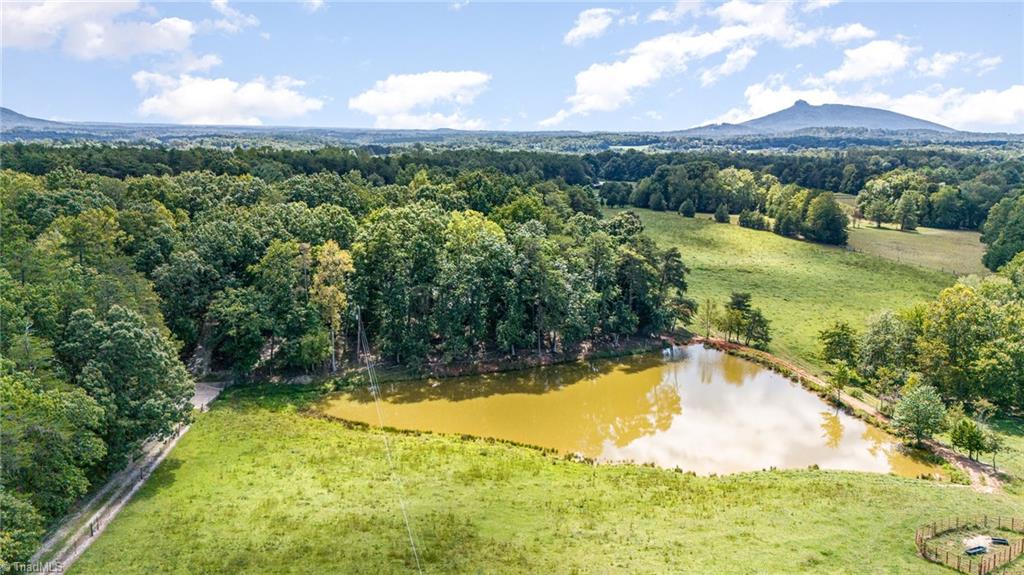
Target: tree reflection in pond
[(697, 409)]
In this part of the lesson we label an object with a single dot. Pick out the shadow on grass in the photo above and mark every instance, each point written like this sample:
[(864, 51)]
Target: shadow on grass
[(162, 478)]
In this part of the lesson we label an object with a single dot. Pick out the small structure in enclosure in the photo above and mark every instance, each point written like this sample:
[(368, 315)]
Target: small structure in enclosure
[(977, 545)]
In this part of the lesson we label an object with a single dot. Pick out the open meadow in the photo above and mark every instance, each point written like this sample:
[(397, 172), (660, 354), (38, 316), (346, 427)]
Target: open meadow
[(260, 485), (802, 287), (952, 251)]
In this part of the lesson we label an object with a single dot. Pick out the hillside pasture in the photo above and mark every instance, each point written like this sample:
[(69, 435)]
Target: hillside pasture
[(802, 287)]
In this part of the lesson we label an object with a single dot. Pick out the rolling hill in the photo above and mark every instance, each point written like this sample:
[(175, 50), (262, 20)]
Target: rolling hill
[(10, 119)]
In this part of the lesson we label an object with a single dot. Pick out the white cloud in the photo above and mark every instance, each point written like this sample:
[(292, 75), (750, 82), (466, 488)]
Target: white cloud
[(457, 5), (313, 5), (939, 64), (813, 5), (191, 63), (677, 12), (193, 100), (89, 30), (874, 59), (605, 87), (232, 20), (736, 61), (590, 23), (984, 64), (851, 32), (402, 100), (954, 107), (91, 40), (40, 24)]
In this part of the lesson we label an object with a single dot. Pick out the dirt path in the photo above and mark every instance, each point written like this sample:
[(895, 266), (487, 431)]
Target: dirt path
[(984, 478), (78, 530)]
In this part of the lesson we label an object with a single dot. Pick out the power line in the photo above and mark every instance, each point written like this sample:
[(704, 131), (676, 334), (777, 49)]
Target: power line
[(363, 342)]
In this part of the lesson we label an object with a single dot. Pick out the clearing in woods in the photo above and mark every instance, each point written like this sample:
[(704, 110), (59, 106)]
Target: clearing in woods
[(952, 251)]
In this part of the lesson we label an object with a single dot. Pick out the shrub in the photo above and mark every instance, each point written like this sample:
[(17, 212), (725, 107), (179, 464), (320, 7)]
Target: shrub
[(686, 209), (753, 219), (722, 214)]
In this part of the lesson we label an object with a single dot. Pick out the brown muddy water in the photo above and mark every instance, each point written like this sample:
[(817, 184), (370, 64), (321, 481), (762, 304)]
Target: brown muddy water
[(697, 409)]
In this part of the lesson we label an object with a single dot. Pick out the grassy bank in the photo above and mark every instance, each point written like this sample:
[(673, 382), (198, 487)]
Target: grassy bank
[(802, 287), (257, 486)]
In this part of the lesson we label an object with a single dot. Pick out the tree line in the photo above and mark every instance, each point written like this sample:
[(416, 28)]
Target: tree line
[(965, 183)]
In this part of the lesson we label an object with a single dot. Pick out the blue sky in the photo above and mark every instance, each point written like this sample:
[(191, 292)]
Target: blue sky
[(511, 66)]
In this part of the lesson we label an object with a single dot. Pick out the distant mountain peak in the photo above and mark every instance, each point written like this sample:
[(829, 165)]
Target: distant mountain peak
[(803, 115)]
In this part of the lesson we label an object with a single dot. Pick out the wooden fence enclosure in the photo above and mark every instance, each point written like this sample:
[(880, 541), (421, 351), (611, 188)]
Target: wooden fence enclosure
[(976, 565)]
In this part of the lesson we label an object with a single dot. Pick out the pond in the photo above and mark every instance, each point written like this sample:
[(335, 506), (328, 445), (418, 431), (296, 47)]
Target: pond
[(697, 409)]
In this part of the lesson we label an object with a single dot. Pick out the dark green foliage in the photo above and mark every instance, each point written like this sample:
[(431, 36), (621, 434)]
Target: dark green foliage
[(687, 209), (240, 324), (133, 373), (22, 528), (787, 223), (50, 439), (839, 343), (969, 436), (746, 323), (753, 220), (722, 214), (1003, 232), (826, 221), (657, 202), (920, 413)]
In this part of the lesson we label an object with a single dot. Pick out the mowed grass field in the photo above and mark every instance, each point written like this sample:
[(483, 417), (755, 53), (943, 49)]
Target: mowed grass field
[(952, 251), (260, 486), (801, 286)]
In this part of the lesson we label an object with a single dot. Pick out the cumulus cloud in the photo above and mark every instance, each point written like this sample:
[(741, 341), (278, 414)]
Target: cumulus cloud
[(736, 61), (677, 12), (91, 30), (851, 32), (403, 100), (313, 5), (590, 23), (194, 100), (874, 59), (605, 87), (92, 40), (232, 20), (938, 64), (954, 107)]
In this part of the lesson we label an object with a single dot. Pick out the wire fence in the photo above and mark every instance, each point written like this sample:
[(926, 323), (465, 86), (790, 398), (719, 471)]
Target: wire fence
[(959, 560)]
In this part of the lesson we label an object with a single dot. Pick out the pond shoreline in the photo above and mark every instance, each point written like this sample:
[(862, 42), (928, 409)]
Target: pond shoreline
[(387, 372), (983, 477)]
